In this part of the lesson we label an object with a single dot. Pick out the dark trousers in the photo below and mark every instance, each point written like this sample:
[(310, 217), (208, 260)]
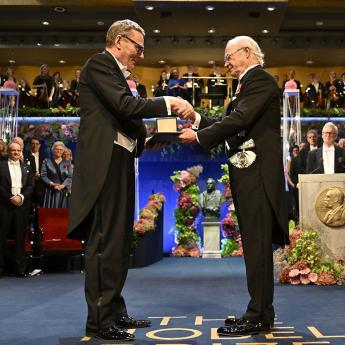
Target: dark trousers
[(256, 221), (14, 218), (109, 243)]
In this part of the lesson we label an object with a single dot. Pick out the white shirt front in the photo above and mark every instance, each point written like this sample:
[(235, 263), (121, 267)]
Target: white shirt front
[(36, 160), (328, 159), (16, 177)]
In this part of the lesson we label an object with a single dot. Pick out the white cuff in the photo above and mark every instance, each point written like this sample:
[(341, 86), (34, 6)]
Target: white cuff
[(196, 137), (197, 121), (168, 105)]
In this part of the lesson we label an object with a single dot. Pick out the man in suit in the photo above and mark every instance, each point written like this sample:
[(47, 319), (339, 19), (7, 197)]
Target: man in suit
[(250, 128), (16, 185), (303, 154), (102, 198), (330, 158), (35, 157), (193, 86)]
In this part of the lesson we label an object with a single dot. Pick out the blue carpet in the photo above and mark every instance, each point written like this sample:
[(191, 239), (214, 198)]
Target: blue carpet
[(197, 294)]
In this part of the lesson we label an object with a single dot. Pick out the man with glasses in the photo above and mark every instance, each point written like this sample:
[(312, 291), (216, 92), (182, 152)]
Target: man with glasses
[(111, 135), (330, 158), (250, 129)]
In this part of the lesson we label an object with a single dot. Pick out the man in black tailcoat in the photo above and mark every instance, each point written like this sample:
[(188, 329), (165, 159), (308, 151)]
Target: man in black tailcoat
[(250, 128), (101, 209), (16, 185), (329, 158)]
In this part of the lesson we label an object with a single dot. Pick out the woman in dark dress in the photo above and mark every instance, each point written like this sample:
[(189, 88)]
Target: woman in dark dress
[(57, 174)]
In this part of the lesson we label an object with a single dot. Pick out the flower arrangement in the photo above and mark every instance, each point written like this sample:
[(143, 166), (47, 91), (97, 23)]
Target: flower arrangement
[(148, 216), (300, 262), (50, 132), (225, 179), (231, 243), (186, 237)]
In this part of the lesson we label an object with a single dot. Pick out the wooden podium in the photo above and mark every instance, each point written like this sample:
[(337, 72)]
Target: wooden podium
[(322, 207)]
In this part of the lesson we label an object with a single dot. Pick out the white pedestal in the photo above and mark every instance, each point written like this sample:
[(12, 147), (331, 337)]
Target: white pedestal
[(211, 240), (312, 189)]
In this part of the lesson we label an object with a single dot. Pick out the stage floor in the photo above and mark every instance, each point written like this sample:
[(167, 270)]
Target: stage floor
[(185, 298)]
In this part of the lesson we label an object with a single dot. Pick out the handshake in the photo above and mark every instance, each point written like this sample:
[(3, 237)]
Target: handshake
[(182, 108)]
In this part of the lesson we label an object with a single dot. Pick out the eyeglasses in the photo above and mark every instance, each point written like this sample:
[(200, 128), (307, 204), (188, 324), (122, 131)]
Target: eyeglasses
[(328, 133), (138, 47), (227, 57)]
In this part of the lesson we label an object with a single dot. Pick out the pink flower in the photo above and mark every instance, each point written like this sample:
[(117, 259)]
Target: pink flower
[(313, 277), (63, 126), (295, 281), (306, 271), (304, 279), (294, 273)]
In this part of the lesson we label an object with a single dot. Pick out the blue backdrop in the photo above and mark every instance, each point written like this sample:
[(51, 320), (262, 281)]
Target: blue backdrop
[(154, 176)]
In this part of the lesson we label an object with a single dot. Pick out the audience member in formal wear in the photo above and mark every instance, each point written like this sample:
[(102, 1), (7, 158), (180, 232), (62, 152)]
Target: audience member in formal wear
[(291, 76), (25, 97), (36, 157), (140, 87), (193, 86), (56, 96), (333, 91), (101, 210), (75, 88), (57, 175), (313, 96), (44, 85), (217, 86), (16, 185), (303, 153), (176, 85), (292, 171), (67, 155), (330, 158), (341, 143), (3, 150), (250, 128), (162, 84)]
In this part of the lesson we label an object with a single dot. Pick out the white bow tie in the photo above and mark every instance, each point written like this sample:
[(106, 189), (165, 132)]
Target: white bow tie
[(14, 163)]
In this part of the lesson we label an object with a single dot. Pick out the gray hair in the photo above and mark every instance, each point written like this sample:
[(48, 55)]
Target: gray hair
[(58, 143), (334, 127), (121, 27), (247, 41)]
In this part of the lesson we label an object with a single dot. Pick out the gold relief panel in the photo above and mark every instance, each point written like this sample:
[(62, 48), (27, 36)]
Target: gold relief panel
[(330, 208)]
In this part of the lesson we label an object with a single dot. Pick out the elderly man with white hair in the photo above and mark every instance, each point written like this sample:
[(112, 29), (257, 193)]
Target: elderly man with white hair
[(330, 158), (250, 128)]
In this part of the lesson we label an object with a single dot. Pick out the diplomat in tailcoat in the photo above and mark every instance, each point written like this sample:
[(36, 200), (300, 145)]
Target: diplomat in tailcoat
[(258, 190)]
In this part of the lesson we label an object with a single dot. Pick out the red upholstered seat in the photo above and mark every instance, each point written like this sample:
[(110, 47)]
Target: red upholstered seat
[(53, 223)]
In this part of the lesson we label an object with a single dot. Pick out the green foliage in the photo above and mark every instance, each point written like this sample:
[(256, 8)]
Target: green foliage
[(187, 237), (306, 248), (292, 225), (225, 178), (37, 112), (213, 112), (331, 267), (229, 245)]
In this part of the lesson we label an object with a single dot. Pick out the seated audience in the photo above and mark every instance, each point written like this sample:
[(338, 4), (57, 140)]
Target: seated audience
[(57, 175)]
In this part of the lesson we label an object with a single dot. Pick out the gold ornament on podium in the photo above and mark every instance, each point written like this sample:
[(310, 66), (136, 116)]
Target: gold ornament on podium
[(330, 208)]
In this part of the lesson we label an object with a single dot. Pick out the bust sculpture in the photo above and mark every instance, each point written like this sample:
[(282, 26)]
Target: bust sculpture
[(211, 200)]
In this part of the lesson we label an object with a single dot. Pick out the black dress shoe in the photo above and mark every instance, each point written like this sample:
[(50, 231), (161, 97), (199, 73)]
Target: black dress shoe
[(234, 321), (129, 322), (111, 333), (246, 328)]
